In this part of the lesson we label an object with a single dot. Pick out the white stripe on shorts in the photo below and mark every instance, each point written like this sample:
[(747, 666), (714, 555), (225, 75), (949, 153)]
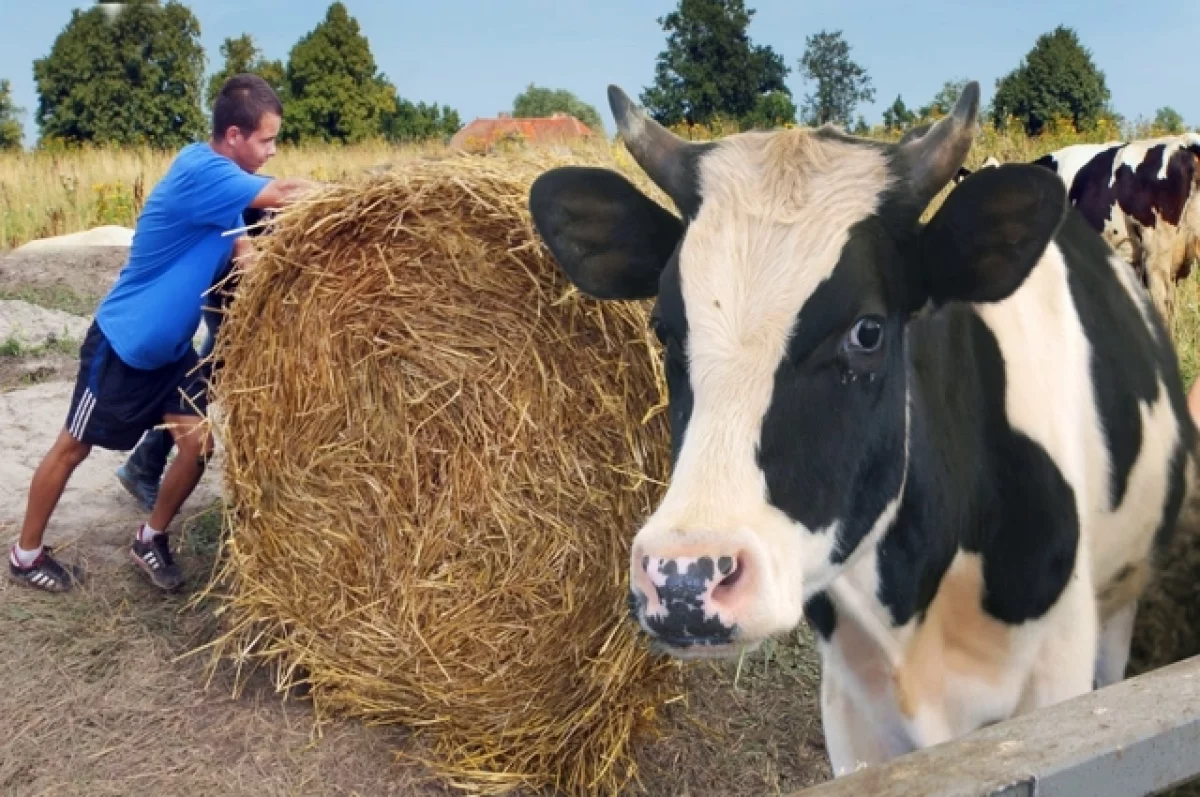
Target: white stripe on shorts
[(83, 414)]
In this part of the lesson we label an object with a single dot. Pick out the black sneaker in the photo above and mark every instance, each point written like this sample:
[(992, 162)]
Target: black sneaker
[(155, 558), (138, 485), (45, 573)]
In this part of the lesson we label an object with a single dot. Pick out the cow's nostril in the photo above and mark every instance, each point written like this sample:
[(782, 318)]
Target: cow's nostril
[(731, 570), (645, 564)]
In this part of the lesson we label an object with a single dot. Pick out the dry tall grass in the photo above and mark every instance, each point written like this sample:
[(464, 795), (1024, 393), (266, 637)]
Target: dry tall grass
[(52, 193)]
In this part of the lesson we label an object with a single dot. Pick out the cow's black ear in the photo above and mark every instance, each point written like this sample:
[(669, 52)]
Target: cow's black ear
[(990, 232), (611, 240)]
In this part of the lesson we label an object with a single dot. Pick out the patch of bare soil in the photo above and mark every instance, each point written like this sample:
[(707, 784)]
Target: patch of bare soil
[(748, 727), (73, 280), (20, 372), (31, 326), (96, 702)]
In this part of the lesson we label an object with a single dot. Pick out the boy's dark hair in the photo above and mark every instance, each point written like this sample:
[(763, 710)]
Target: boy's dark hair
[(242, 102)]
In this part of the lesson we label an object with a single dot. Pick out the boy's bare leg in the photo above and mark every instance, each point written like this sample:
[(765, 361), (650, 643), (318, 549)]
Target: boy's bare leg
[(27, 560), (151, 550), (184, 474), (49, 481)]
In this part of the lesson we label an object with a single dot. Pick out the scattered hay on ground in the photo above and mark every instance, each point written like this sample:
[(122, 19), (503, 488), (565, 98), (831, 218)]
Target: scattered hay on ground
[(437, 453)]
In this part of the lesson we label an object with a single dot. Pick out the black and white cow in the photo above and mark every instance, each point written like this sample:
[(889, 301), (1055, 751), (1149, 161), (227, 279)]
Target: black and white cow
[(1141, 196), (954, 448)]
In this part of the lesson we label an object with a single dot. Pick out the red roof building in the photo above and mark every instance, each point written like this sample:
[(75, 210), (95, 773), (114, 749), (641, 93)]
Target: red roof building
[(483, 134)]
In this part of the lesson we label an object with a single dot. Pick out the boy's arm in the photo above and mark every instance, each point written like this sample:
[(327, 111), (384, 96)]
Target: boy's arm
[(282, 191)]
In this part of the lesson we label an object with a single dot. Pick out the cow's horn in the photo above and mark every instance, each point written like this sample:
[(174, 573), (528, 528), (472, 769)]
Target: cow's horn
[(664, 156), (934, 155)]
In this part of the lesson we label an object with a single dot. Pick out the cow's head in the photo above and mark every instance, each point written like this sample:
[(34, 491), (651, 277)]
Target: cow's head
[(783, 296)]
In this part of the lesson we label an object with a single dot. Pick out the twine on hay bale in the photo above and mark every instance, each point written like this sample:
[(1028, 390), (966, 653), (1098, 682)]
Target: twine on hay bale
[(436, 455)]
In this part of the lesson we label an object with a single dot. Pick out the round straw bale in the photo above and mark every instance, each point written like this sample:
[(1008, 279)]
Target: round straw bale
[(432, 477)]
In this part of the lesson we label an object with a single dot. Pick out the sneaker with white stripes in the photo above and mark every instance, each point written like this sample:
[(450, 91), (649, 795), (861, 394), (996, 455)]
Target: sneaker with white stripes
[(45, 573), (155, 558)]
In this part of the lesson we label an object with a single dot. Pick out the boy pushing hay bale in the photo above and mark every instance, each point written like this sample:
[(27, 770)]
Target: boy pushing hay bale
[(427, 443)]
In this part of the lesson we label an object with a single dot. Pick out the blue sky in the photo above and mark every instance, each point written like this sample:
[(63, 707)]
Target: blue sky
[(476, 55)]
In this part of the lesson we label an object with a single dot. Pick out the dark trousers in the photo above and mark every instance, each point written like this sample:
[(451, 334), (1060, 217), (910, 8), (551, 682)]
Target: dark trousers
[(149, 460)]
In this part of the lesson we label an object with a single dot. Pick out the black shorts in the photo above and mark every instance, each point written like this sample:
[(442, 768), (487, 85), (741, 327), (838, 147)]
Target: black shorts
[(114, 404)]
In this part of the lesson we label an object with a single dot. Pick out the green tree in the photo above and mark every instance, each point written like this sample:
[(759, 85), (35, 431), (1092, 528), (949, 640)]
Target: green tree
[(897, 116), (241, 56), (11, 133), (130, 78), (334, 90), (541, 101), (710, 68), (943, 102), (773, 109), (1056, 79), (420, 122), (1168, 120), (841, 83)]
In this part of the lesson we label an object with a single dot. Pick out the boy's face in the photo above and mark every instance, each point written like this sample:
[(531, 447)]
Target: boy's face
[(252, 152)]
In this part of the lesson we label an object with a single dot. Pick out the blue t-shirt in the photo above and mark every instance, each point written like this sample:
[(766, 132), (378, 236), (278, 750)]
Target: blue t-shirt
[(153, 310)]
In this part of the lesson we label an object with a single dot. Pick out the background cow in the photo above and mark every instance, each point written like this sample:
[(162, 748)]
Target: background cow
[(954, 448), (1140, 196)]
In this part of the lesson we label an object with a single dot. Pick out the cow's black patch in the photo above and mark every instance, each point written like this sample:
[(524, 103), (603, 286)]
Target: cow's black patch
[(832, 442), (922, 542), (689, 198), (1026, 526), (821, 615), (670, 324), (974, 483), (1092, 191), (1146, 197), (1173, 505), (1125, 367)]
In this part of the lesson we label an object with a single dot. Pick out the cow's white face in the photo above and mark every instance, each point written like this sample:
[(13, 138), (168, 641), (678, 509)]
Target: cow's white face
[(782, 300), (774, 377)]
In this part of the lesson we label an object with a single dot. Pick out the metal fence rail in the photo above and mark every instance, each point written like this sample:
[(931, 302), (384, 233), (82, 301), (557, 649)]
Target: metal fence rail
[(1138, 737)]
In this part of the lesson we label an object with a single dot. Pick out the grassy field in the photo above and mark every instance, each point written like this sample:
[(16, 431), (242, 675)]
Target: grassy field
[(52, 193)]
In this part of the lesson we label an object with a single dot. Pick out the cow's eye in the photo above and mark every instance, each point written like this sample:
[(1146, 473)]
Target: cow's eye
[(866, 334)]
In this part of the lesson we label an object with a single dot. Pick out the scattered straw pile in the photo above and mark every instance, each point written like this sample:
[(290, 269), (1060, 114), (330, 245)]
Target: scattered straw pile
[(436, 457)]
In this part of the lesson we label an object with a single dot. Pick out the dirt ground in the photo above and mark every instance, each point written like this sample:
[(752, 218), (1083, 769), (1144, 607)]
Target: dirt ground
[(100, 697)]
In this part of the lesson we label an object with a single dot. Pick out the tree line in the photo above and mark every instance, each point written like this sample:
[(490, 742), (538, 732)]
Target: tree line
[(136, 77), (712, 74)]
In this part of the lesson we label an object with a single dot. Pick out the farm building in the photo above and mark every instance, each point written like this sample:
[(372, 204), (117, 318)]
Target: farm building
[(483, 134)]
